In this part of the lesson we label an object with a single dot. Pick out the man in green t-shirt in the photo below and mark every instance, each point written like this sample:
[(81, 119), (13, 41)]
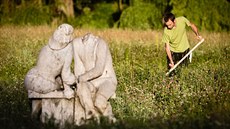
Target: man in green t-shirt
[(175, 38)]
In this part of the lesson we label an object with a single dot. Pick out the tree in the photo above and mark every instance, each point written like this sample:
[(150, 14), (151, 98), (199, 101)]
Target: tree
[(66, 7), (141, 16), (207, 14)]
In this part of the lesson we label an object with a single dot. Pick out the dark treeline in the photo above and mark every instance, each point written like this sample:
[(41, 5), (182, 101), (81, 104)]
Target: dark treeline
[(211, 15)]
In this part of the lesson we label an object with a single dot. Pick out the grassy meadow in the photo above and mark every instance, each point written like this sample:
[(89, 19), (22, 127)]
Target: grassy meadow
[(197, 98)]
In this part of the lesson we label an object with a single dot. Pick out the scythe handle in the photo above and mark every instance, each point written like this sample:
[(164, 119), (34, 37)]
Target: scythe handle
[(201, 41)]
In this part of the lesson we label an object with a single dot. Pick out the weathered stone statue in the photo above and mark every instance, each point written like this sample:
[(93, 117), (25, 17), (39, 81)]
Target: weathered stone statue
[(96, 79), (53, 67), (49, 82)]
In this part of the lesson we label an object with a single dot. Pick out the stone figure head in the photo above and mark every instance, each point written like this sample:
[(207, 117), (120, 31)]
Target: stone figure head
[(89, 38), (61, 37)]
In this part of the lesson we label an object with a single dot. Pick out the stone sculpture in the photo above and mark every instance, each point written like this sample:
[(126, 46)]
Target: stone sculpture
[(49, 82), (53, 67), (96, 79)]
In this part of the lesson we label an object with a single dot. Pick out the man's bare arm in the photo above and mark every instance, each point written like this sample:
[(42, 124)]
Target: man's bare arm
[(195, 30), (169, 54)]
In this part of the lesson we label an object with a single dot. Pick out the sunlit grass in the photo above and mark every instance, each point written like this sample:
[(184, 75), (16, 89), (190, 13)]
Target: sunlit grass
[(146, 98)]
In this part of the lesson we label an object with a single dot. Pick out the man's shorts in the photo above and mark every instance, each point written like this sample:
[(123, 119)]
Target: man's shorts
[(177, 57)]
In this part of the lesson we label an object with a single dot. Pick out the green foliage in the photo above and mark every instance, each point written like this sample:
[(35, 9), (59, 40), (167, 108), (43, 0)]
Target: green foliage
[(32, 15), (141, 16), (99, 17), (27, 15), (211, 15), (208, 15)]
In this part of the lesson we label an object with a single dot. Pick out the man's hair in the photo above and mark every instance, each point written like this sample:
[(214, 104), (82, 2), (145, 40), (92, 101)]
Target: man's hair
[(168, 16)]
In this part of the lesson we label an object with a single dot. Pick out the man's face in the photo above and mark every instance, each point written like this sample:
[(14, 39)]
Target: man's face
[(170, 24)]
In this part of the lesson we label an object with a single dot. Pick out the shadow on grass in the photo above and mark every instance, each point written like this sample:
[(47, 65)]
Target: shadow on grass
[(214, 122), (15, 114)]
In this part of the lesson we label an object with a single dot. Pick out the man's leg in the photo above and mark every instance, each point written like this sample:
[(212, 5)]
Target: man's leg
[(186, 60), (177, 57)]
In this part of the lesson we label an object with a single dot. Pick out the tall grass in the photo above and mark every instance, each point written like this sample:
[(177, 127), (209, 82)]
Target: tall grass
[(146, 98)]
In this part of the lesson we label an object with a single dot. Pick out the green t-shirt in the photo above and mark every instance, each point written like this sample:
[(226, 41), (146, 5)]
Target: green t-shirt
[(177, 37)]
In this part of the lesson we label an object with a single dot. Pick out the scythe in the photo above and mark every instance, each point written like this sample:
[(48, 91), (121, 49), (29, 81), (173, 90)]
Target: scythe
[(201, 41)]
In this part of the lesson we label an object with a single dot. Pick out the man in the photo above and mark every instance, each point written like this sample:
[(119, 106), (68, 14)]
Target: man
[(175, 38), (96, 79)]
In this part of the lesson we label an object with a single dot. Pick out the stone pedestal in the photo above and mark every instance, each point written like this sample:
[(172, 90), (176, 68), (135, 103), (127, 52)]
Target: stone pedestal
[(57, 108), (79, 112)]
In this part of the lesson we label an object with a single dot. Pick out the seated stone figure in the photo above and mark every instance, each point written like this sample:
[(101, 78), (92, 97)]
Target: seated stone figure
[(53, 66), (96, 79)]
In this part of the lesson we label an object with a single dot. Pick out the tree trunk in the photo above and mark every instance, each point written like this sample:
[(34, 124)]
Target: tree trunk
[(67, 7), (8, 6), (120, 7)]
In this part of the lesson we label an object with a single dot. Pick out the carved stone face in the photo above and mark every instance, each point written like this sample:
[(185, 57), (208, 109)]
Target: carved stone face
[(62, 36)]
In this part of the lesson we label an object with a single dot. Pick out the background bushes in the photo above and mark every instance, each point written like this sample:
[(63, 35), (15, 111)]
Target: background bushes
[(135, 14), (32, 15), (99, 17), (141, 16)]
